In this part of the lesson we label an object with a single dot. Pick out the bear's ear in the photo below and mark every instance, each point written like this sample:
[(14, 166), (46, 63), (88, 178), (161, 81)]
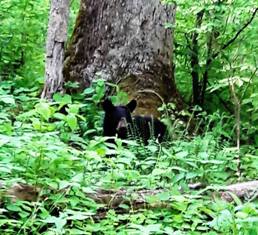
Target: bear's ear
[(107, 105), (132, 105)]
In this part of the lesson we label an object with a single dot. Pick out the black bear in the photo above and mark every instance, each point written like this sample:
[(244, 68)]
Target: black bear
[(118, 121)]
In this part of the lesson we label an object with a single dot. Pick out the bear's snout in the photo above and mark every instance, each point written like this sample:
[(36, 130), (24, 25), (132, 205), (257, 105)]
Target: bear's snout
[(122, 124)]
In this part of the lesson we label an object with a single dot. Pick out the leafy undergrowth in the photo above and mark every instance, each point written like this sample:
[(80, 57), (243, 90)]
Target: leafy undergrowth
[(64, 154)]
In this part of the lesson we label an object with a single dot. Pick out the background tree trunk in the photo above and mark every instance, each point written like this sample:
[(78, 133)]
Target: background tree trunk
[(56, 38), (127, 43)]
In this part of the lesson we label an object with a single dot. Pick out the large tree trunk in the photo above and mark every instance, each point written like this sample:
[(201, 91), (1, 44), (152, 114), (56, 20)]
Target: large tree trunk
[(127, 43), (56, 38)]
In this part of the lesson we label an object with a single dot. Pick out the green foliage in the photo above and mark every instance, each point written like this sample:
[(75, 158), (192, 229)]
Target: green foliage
[(42, 146), (237, 63), (58, 146), (22, 40)]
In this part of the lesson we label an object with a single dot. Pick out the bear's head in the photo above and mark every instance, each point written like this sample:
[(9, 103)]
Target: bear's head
[(117, 118)]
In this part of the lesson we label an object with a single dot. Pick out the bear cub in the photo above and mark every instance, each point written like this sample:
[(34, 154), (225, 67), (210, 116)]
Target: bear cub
[(118, 121)]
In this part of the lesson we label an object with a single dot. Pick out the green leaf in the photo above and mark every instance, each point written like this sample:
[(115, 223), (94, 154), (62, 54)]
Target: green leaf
[(58, 221), (164, 196), (71, 121), (7, 99), (36, 124), (241, 215), (14, 207), (74, 108), (88, 91), (62, 99), (59, 116), (44, 110), (4, 140)]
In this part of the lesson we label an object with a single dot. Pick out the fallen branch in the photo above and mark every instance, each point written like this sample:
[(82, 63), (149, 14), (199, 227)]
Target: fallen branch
[(135, 199), (19, 191), (246, 190)]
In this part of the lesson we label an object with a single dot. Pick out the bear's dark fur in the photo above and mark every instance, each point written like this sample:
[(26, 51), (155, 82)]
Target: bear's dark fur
[(118, 121)]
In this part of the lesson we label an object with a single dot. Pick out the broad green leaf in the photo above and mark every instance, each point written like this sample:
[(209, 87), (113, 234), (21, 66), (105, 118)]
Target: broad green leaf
[(71, 121), (44, 110), (7, 99), (62, 99)]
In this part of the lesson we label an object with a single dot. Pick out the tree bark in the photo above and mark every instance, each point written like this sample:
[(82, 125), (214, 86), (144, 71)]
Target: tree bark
[(57, 36), (127, 43)]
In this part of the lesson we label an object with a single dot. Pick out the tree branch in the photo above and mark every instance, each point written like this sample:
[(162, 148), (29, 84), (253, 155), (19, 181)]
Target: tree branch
[(236, 35), (195, 60), (207, 67), (211, 57)]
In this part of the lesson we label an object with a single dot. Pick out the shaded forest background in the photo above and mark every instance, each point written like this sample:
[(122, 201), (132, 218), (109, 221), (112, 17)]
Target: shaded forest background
[(61, 167)]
